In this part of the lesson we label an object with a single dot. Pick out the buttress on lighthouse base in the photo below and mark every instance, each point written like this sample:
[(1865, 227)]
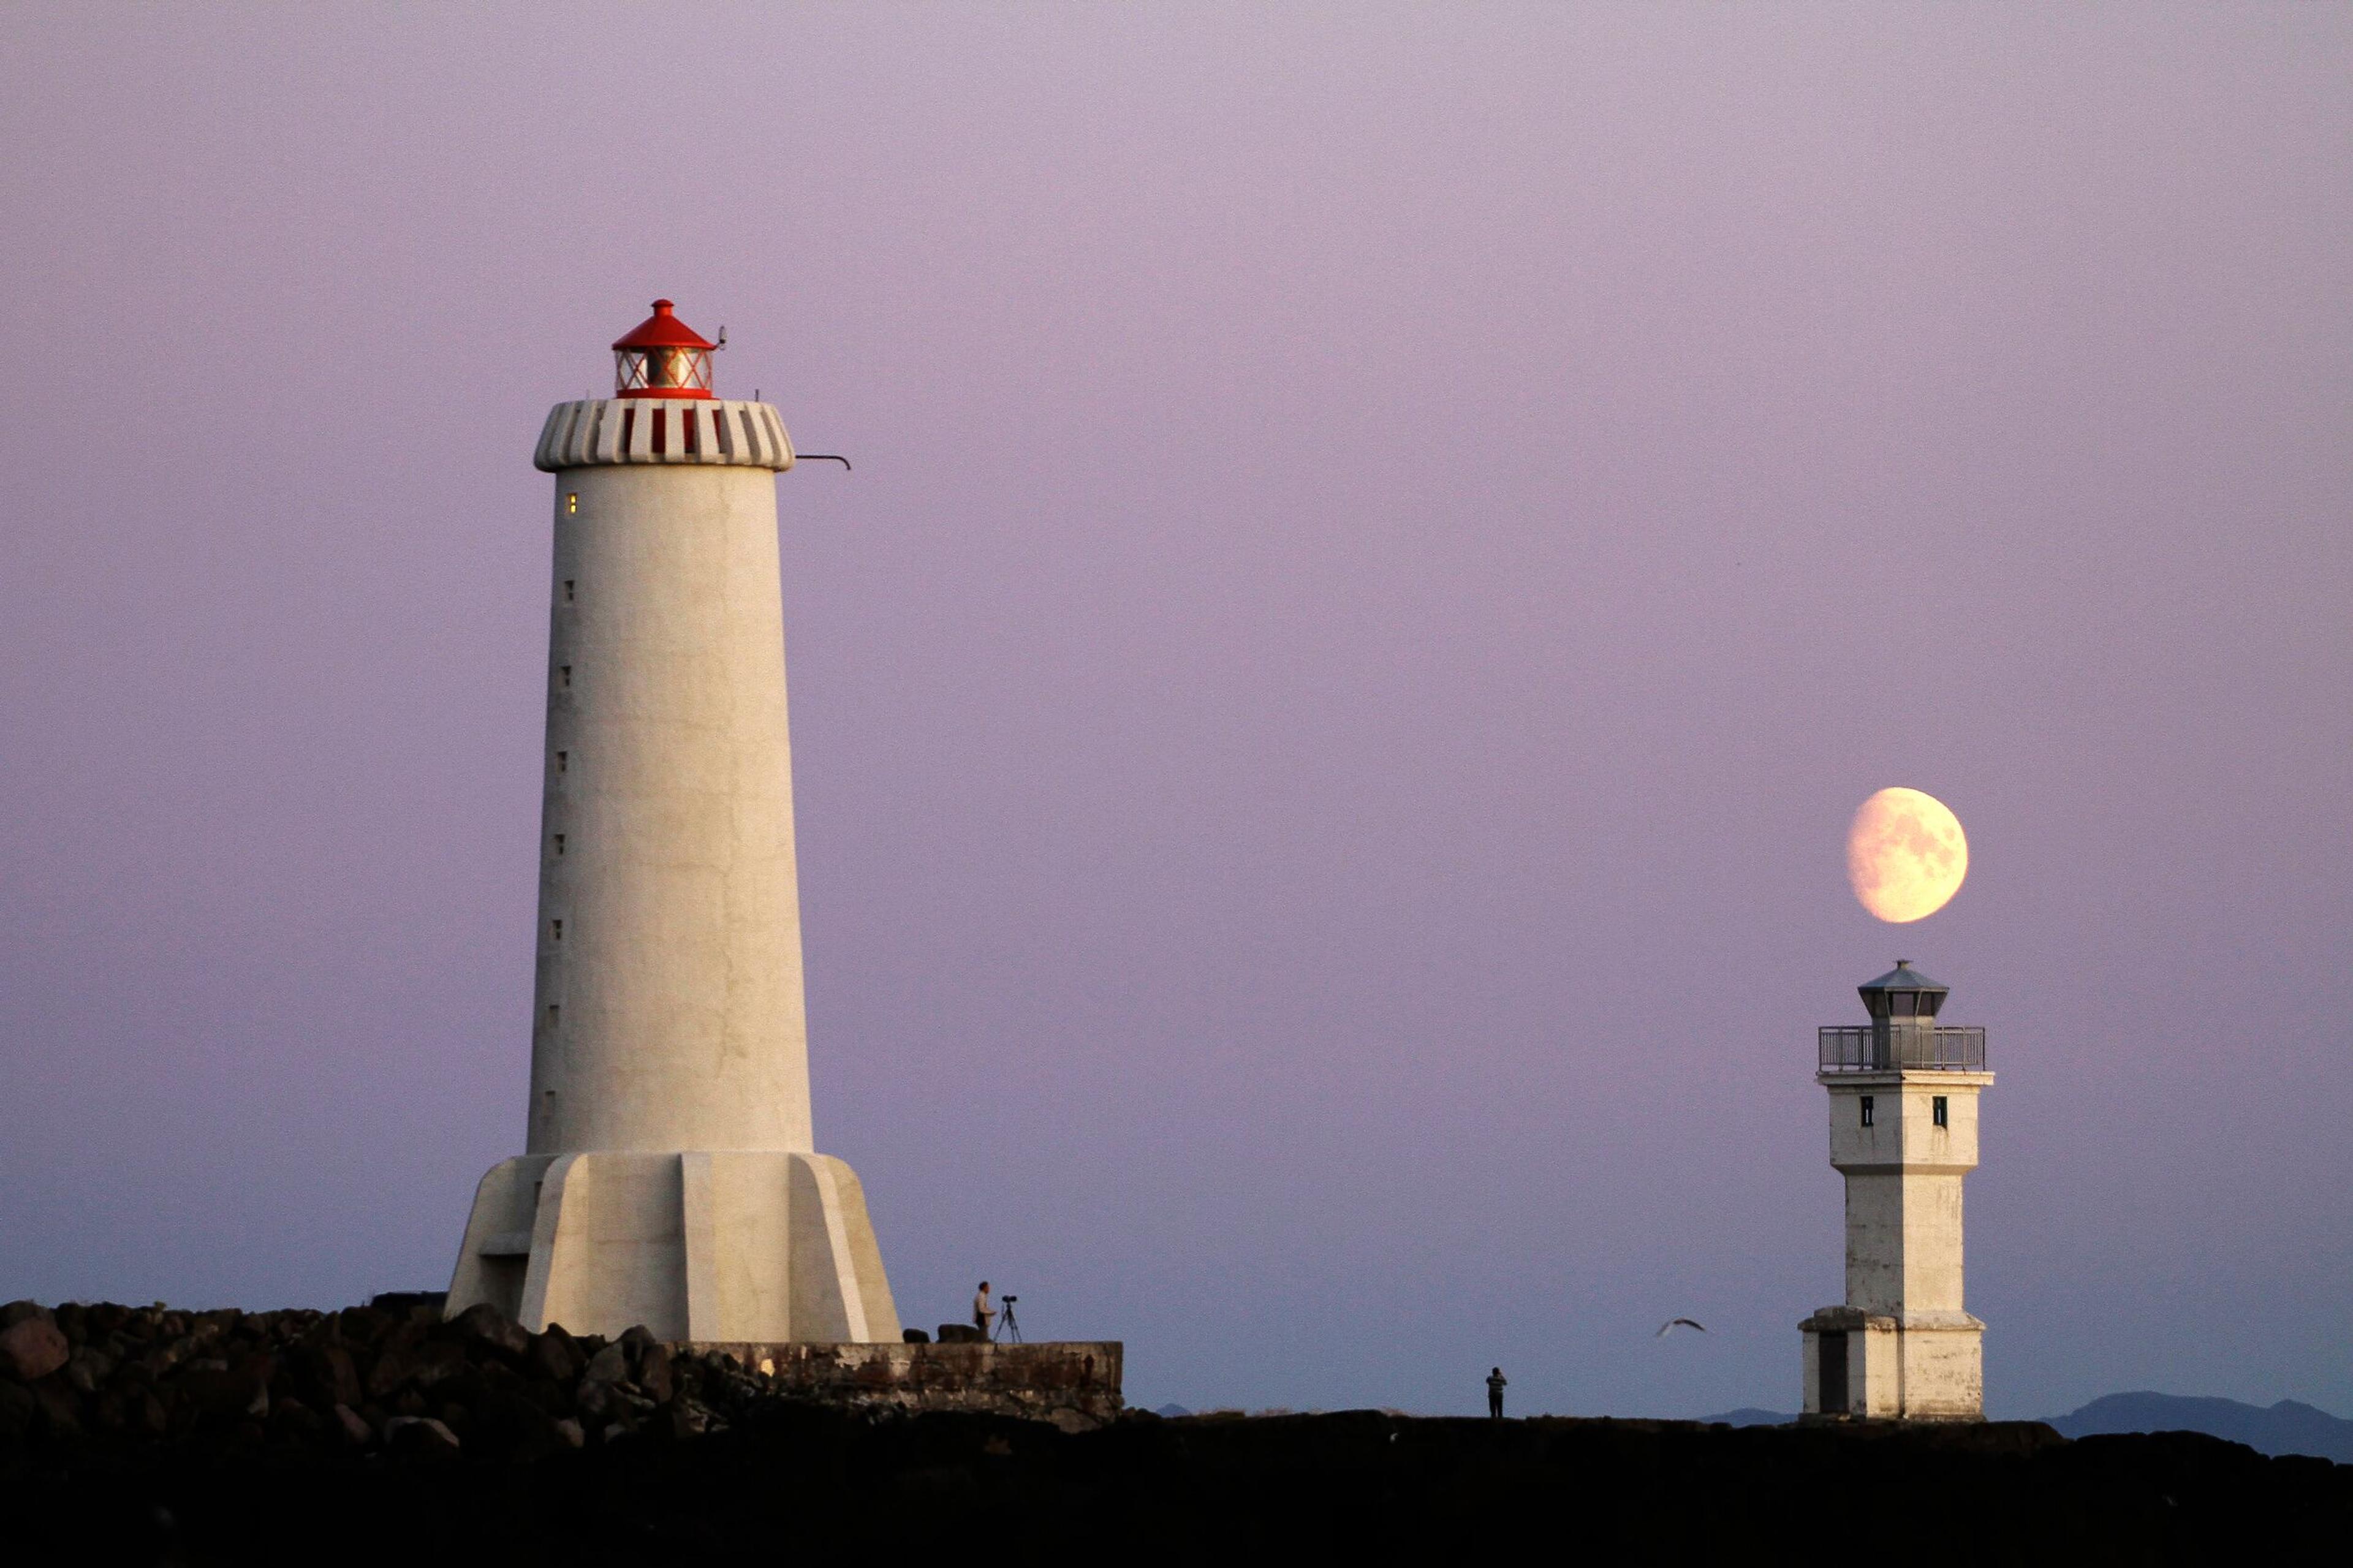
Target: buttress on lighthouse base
[(719, 1247)]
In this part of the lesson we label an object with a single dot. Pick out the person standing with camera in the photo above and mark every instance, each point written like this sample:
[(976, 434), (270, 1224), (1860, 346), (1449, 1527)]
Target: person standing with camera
[(982, 1313), (1495, 1381)]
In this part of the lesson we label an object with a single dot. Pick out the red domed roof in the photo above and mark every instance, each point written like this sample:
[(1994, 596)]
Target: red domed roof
[(663, 330)]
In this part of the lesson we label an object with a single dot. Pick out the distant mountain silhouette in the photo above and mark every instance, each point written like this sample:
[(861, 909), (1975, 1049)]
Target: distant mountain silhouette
[(1748, 1415), (2287, 1427)]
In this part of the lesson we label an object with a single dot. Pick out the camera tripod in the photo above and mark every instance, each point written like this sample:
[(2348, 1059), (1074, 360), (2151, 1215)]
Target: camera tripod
[(1009, 1328)]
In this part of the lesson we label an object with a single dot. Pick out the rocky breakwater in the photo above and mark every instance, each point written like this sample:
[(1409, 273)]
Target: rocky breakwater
[(358, 1380)]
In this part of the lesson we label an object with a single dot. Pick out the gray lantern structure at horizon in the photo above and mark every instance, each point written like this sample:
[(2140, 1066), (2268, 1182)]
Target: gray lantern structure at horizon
[(1903, 1133)]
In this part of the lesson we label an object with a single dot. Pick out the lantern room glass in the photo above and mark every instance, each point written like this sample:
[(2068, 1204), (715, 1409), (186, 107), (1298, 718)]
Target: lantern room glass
[(662, 373)]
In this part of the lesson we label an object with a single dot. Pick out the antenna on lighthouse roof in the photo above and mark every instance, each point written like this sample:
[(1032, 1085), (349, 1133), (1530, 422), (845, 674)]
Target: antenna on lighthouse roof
[(722, 338)]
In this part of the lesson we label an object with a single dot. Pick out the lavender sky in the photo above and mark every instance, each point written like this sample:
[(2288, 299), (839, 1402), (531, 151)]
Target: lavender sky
[(1386, 546)]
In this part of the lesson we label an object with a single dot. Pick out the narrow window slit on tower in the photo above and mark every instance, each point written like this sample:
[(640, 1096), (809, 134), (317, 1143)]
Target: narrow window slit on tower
[(1867, 1109), (566, 673), (629, 430), (571, 503), (660, 417), (556, 931), (567, 590), (559, 844), (1937, 1109), (562, 760)]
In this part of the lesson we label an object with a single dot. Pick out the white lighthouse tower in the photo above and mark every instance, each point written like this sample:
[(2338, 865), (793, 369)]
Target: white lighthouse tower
[(670, 1177), (1903, 1133)]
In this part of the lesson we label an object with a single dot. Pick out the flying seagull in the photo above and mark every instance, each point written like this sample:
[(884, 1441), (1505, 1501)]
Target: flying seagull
[(1672, 1324)]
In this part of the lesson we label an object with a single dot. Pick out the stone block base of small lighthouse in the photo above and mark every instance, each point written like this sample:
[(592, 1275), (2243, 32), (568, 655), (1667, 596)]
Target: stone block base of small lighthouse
[(1878, 1366), (715, 1248)]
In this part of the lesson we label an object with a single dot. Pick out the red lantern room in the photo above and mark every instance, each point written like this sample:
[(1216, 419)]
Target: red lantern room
[(662, 357)]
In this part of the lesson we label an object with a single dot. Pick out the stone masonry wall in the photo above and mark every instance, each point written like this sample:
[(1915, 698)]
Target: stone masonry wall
[(1075, 1384)]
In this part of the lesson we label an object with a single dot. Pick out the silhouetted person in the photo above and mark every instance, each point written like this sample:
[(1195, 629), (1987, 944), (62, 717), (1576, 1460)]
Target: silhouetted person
[(1495, 1380), (981, 1310)]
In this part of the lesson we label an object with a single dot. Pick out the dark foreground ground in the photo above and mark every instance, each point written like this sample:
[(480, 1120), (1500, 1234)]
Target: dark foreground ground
[(365, 1437), (789, 1480)]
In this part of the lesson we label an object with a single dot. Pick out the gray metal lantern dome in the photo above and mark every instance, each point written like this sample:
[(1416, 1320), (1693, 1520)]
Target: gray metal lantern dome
[(1903, 992)]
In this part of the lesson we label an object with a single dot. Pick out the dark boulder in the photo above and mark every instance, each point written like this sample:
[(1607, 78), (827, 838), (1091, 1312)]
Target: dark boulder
[(59, 1405), (438, 1359), (360, 1325), (509, 1427), (556, 1354), (609, 1365), (487, 1325), (295, 1423), (31, 1347), (353, 1426), (654, 1372), (88, 1369), (208, 1389), (419, 1437), (394, 1361), (328, 1375)]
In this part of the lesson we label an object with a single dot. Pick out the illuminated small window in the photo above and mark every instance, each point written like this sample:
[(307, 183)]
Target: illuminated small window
[(1939, 1109), (571, 503), (1868, 1106)]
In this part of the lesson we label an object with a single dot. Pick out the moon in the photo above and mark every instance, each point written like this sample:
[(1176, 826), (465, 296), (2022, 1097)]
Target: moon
[(1906, 855)]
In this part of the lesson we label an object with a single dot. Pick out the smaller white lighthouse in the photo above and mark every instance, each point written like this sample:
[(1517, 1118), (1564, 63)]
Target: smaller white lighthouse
[(1903, 1133)]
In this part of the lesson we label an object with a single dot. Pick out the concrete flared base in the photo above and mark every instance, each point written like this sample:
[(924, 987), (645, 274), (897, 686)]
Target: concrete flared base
[(729, 1246), (1917, 1367)]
